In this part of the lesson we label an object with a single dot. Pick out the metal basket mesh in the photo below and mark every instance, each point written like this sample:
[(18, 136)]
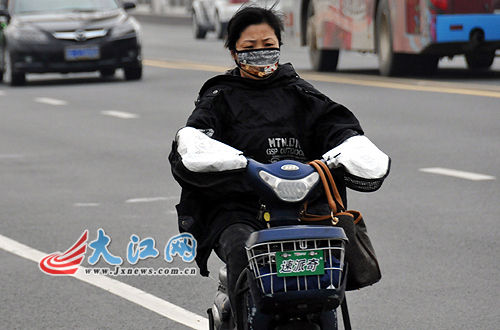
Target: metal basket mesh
[(262, 260)]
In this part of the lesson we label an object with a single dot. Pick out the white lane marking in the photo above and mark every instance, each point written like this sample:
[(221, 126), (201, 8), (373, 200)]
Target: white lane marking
[(172, 212), (150, 199), (48, 100), (458, 174), (132, 294), (2, 93), (120, 114), (86, 204)]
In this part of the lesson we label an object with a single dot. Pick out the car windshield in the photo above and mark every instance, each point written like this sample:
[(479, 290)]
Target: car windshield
[(44, 6)]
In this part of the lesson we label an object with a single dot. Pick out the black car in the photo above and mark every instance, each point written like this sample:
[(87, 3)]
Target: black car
[(40, 36)]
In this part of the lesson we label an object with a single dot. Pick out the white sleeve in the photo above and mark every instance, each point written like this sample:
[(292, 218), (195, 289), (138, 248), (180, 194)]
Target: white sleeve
[(200, 153), (360, 157)]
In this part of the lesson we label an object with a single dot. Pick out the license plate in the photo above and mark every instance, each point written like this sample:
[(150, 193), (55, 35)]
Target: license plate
[(82, 53), (300, 263)]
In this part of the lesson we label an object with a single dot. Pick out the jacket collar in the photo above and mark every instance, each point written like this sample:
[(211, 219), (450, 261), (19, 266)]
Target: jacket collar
[(283, 76)]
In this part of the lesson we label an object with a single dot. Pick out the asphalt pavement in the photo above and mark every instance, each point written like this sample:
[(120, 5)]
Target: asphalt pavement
[(80, 153)]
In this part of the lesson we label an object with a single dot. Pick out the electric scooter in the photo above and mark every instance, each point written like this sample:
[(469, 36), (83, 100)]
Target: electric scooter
[(296, 273)]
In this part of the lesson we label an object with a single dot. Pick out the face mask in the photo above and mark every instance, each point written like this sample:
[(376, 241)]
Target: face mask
[(259, 63)]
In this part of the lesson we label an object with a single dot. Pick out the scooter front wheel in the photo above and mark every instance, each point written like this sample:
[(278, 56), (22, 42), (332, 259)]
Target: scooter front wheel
[(211, 324)]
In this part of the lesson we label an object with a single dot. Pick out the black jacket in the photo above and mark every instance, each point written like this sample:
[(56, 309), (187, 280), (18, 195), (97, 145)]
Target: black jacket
[(282, 117)]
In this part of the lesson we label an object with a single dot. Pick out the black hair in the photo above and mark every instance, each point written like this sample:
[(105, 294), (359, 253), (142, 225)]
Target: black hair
[(249, 16)]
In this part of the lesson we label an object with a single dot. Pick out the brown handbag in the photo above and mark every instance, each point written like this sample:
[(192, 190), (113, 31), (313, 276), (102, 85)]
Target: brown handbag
[(363, 267)]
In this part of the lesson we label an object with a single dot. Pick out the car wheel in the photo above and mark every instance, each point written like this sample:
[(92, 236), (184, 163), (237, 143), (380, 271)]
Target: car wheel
[(107, 73), (198, 31), (390, 63), (133, 73), (325, 60), (480, 61), (11, 77), (220, 30)]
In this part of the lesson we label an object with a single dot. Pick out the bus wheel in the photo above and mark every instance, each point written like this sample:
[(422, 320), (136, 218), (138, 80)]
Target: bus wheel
[(325, 60), (390, 63), (478, 61)]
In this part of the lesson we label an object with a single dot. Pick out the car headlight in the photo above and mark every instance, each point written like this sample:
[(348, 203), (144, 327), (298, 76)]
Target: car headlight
[(30, 34), (290, 190), (126, 28)]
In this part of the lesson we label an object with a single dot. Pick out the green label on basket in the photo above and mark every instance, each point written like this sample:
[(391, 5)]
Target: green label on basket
[(300, 263)]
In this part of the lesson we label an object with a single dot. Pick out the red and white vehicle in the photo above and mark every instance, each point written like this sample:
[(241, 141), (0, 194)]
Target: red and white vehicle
[(406, 34)]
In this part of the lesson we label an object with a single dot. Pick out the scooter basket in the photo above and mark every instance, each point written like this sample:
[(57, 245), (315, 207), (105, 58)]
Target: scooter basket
[(262, 251)]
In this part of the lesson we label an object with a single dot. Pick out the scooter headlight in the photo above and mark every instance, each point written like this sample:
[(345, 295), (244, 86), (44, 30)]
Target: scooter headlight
[(290, 190)]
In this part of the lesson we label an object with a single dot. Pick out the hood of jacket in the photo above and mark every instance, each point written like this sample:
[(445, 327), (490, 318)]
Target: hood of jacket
[(284, 75)]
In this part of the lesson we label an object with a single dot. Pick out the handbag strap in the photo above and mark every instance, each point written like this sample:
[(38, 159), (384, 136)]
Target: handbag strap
[(332, 196), (331, 182), (331, 203), (326, 185)]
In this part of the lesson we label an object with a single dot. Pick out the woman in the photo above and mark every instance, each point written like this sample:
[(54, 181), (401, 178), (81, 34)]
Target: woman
[(265, 111)]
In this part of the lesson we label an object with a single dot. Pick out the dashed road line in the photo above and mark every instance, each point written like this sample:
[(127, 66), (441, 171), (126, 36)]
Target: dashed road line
[(150, 199), (120, 289), (86, 204), (458, 174), (2, 93), (119, 114), (50, 101)]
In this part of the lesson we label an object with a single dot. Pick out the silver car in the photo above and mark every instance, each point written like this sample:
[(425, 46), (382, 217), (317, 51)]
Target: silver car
[(213, 15)]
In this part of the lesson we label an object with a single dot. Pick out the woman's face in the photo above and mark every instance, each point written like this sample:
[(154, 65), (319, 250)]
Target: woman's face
[(256, 36)]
